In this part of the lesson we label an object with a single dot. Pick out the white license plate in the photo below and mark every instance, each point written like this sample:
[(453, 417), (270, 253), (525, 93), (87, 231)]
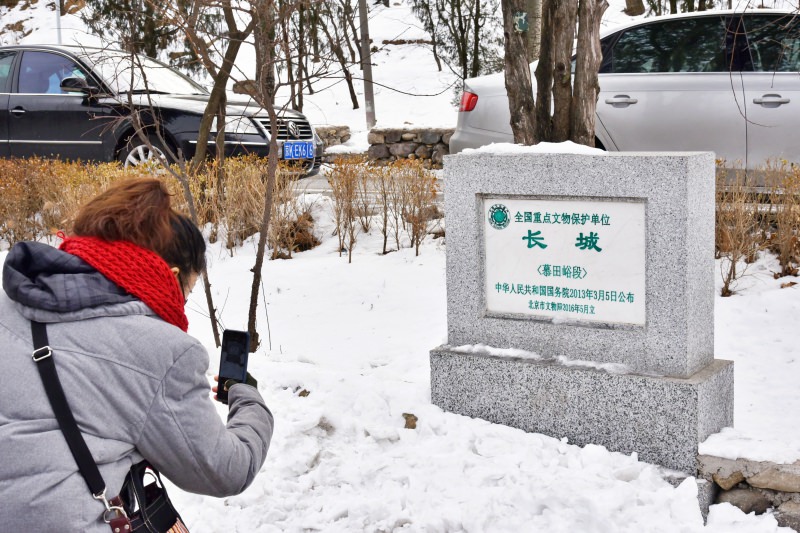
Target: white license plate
[(298, 150)]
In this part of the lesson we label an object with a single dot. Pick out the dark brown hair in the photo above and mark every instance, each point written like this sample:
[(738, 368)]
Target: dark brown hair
[(138, 210)]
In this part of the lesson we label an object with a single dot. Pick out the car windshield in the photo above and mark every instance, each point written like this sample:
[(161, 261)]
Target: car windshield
[(140, 74)]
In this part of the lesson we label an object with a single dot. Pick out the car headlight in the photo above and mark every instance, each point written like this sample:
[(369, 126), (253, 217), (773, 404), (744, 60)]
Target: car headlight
[(237, 125)]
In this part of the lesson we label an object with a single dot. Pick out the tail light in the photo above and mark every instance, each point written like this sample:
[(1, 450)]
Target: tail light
[(468, 101)]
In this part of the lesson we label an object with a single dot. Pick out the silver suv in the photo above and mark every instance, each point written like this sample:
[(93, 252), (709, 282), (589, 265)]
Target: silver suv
[(721, 81)]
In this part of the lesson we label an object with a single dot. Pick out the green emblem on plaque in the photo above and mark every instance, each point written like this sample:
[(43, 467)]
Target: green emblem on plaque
[(520, 19), (498, 216)]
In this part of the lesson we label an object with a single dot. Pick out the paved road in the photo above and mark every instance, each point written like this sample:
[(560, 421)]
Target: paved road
[(316, 185), (319, 185)]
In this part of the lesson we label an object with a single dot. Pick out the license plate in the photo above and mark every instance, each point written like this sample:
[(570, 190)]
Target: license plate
[(298, 150)]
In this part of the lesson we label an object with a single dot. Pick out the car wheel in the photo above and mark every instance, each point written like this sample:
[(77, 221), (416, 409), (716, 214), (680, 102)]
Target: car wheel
[(137, 154)]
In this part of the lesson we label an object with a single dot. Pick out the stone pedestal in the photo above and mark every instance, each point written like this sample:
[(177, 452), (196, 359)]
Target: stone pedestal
[(661, 419), (666, 393)]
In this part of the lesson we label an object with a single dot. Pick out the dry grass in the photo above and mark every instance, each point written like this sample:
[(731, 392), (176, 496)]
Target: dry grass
[(401, 195), (783, 231), (420, 188), (40, 197), (757, 213), (345, 179), (739, 235), (291, 227)]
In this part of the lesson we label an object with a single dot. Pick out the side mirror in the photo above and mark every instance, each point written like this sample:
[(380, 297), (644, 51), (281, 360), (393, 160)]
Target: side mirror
[(78, 85)]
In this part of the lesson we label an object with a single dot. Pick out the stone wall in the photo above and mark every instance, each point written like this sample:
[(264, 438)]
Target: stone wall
[(755, 486), (428, 144), (333, 135)]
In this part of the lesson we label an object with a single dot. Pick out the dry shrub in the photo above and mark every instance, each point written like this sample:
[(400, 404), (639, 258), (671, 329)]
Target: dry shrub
[(291, 226), (239, 206), (385, 186), (738, 227), (784, 231), (402, 194), (21, 202), (74, 184), (419, 195), (233, 203), (365, 193), (202, 186), (41, 196), (344, 179)]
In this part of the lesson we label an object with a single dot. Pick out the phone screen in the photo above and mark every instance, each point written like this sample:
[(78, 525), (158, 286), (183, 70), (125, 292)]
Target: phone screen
[(233, 360)]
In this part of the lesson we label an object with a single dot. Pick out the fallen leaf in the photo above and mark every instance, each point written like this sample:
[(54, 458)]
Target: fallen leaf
[(788, 284), (411, 421)]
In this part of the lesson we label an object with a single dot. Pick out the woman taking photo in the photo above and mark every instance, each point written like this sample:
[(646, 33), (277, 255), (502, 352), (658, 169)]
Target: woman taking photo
[(112, 298)]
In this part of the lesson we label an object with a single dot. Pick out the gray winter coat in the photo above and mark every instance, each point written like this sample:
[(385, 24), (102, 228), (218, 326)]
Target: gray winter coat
[(136, 385)]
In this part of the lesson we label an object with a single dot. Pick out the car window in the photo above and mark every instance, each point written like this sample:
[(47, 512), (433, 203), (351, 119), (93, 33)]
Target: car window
[(6, 62), (605, 49), (42, 72), (684, 45), (774, 42), (124, 73)]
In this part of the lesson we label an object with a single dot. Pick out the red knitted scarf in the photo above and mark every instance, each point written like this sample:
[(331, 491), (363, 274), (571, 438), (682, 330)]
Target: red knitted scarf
[(139, 271)]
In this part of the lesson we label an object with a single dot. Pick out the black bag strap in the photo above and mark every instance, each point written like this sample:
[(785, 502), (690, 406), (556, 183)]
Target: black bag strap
[(43, 356), (114, 514)]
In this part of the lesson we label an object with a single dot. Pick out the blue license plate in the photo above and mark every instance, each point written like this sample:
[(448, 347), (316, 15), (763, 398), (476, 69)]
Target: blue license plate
[(298, 150)]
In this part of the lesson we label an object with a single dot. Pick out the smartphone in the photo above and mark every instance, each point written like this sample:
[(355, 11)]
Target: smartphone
[(233, 360)]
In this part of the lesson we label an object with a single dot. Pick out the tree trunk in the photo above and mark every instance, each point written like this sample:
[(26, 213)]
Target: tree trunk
[(475, 68), (219, 145), (285, 47), (518, 76), (534, 9), (543, 121), (301, 54), (264, 13), (336, 48), (314, 20), (588, 59), (351, 21), (424, 13), (217, 95), (563, 30), (673, 7), (634, 8), (347, 14)]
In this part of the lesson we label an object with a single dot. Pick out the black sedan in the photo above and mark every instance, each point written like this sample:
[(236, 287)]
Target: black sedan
[(79, 103)]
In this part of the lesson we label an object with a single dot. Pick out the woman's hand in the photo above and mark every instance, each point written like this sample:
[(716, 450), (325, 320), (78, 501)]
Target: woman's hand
[(250, 381)]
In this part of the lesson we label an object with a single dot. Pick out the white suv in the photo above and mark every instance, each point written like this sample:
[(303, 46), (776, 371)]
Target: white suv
[(721, 81)]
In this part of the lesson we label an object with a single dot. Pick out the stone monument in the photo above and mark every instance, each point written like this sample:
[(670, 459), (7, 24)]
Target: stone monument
[(580, 300)]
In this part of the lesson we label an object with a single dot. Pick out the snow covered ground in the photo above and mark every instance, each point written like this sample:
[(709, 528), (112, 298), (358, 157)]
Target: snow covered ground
[(356, 338), (345, 357)]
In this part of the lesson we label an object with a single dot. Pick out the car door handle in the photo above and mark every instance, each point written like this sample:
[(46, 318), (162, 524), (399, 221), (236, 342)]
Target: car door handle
[(621, 100), (771, 100), (17, 111)]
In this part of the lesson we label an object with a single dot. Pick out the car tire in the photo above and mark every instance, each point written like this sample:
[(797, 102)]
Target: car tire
[(136, 153)]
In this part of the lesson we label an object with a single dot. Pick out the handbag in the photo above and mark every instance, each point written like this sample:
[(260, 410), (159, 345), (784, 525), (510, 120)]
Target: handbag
[(139, 507), (148, 506)]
